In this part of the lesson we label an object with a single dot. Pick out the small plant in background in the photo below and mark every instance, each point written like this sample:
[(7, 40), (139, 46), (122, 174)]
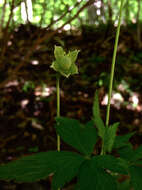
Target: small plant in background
[(93, 171)]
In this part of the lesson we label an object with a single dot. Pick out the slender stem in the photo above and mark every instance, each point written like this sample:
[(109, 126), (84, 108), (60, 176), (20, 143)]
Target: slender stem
[(112, 71), (113, 63), (58, 107)]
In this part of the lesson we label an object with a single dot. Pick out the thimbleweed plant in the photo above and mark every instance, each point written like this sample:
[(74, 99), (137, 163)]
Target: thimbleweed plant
[(93, 171), (63, 65)]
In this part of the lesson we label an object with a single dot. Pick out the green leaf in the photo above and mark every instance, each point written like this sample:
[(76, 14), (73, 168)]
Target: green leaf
[(97, 118), (30, 168), (137, 154), (82, 137), (111, 163), (136, 177), (109, 137), (126, 153), (121, 141), (68, 169), (131, 155), (124, 185), (35, 167), (92, 177)]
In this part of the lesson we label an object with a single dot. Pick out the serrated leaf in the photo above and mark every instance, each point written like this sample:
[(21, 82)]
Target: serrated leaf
[(97, 118), (29, 168), (124, 185), (126, 153), (131, 155), (82, 137), (136, 177), (91, 177), (123, 140), (109, 137), (35, 167), (111, 163), (137, 154), (67, 171)]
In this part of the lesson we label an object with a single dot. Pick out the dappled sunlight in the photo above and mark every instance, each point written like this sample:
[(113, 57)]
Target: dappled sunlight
[(34, 62), (44, 91), (12, 83), (24, 103), (117, 100)]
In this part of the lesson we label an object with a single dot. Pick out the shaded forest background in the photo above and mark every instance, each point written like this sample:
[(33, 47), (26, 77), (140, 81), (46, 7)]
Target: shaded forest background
[(29, 30)]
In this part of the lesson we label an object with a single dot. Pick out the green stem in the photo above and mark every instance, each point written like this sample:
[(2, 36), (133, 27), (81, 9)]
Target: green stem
[(58, 107), (113, 63), (112, 71)]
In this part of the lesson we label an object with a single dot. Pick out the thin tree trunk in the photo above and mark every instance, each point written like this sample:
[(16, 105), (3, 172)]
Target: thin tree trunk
[(127, 14), (102, 15), (109, 11), (138, 24), (43, 13), (26, 8), (3, 13), (6, 35)]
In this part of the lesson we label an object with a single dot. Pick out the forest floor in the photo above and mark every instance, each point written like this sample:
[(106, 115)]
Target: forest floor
[(28, 97)]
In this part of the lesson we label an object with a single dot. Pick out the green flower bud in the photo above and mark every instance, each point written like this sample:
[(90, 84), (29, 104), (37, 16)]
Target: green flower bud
[(65, 63)]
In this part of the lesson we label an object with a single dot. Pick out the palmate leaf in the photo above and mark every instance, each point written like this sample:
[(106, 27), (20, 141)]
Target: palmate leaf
[(126, 153), (124, 185), (131, 155), (82, 137), (136, 177), (92, 177), (39, 166), (137, 154), (97, 118), (111, 163), (68, 169), (123, 140), (109, 137)]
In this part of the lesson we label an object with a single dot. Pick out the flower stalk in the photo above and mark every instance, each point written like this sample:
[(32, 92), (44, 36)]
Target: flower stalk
[(113, 64), (58, 108)]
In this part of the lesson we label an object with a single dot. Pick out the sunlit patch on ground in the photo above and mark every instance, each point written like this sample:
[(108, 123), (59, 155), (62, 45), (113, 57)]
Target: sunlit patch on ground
[(34, 62), (118, 100), (44, 91), (24, 103)]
